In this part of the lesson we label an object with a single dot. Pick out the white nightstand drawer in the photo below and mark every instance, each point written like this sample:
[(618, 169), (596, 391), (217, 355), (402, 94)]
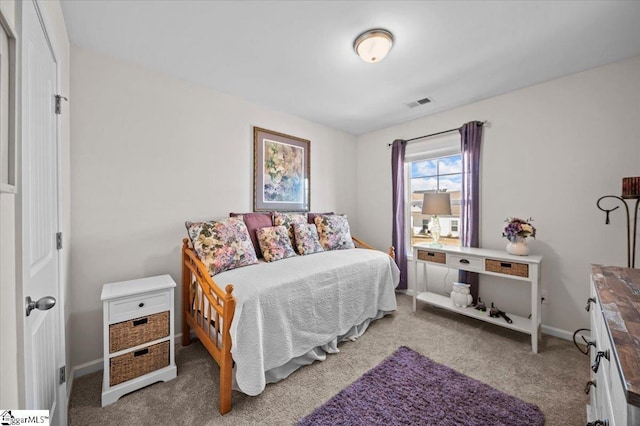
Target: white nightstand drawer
[(139, 305), (467, 262)]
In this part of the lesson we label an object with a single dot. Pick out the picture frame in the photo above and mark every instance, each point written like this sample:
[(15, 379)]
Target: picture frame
[(281, 172)]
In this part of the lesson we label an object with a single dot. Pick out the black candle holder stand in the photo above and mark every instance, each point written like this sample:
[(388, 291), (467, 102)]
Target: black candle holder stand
[(631, 234)]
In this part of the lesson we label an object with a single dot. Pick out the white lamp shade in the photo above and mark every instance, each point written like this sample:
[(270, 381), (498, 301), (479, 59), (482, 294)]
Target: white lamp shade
[(436, 203), (373, 46)]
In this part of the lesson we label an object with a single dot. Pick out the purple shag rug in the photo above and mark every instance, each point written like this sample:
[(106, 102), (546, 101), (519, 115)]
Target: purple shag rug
[(410, 389)]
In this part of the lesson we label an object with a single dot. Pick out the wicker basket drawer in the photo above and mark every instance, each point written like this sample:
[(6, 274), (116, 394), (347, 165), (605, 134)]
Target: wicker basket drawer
[(134, 364), (507, 268), (432, 256), (127, 334)]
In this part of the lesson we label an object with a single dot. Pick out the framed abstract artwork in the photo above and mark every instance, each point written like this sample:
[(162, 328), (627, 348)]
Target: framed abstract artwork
[(281, 172)]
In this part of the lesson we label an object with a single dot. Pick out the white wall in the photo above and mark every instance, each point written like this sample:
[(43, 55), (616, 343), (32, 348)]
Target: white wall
[(150, 152), (549, 151)]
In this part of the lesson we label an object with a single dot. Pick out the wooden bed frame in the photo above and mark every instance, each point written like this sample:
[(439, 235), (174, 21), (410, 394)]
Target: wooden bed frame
[(211, 325)]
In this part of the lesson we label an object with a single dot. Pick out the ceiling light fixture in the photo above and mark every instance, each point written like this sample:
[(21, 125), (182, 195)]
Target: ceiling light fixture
[(373, 45)]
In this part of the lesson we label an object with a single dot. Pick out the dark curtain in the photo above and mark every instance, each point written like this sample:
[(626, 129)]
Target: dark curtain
[(398, 236), (471, 135)]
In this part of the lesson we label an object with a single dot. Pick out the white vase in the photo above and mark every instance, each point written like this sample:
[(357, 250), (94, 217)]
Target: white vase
[(461, 295), (518, 246)]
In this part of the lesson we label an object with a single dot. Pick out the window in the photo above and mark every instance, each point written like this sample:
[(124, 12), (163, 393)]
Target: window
[(7, 109), (434, 166)]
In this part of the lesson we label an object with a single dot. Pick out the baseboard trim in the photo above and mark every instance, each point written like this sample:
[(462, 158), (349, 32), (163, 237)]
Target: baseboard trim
[(557, 332), (86, 368)]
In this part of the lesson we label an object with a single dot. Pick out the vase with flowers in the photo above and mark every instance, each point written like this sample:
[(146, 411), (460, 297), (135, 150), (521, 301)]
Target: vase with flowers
[(517, 231)]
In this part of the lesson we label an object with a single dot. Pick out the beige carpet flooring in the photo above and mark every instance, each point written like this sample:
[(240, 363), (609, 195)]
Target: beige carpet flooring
[(553, 379)]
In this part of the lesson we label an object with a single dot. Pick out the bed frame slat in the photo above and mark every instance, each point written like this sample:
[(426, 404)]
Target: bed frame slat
[(224, 306)]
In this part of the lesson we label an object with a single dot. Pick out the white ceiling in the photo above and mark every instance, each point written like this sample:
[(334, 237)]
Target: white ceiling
[(297, 56)]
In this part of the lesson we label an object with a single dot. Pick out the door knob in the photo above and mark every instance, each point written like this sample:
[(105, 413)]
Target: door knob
[(44, 303)]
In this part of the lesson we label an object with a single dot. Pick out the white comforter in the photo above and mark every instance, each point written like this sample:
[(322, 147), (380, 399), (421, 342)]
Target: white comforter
[(289, 307)]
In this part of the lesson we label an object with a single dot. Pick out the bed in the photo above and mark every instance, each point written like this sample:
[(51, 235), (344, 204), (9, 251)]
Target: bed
[(272, 318)]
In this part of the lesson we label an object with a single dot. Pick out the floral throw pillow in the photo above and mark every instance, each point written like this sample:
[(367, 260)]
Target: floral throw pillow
[(222, 245), (255, 221), (288, 220), (307, 241), (275, 243), (312, 216), (333, 231)]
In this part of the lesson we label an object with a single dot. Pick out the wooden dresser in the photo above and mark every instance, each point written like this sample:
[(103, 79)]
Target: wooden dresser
[(614, 306)]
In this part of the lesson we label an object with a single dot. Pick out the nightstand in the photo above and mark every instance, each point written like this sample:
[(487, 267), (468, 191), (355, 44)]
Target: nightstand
[(138, 320)]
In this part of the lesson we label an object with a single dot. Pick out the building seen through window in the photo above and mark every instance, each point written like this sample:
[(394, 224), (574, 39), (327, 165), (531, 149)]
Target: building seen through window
[(442, 174)]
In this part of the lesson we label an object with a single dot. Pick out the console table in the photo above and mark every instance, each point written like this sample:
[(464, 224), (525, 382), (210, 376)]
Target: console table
[(486, 262)]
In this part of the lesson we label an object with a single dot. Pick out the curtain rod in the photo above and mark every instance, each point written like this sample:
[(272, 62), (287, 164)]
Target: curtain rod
[(438, 133)]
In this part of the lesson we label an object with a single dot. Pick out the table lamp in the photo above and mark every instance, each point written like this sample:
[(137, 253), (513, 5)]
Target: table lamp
[(436, 204)]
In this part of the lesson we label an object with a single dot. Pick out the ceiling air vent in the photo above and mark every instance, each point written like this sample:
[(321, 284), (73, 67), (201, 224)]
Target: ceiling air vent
[(418, 102)]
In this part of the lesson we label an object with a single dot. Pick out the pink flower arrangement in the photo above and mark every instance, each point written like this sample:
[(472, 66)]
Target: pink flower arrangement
[(517, 227)]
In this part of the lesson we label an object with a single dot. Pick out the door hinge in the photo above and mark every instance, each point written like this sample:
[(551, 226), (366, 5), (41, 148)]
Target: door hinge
[(59, 99), (63, 374), (59, 240)]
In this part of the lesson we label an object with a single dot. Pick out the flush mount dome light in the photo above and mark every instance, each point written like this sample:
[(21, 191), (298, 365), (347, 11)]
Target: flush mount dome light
[(373, 45)]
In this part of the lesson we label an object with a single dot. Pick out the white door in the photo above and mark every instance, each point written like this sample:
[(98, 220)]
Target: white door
[(39, 205)]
